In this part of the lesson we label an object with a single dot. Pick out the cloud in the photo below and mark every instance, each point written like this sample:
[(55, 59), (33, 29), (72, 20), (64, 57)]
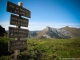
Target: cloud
[(41, 25), (5, 25)]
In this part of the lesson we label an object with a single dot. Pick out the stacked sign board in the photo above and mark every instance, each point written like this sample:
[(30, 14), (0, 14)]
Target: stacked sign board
[(18, 21), (13, 8), (17, 32), (16, 44)]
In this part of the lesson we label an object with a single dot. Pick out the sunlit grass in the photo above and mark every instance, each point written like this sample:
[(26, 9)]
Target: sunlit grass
[(66, 48), (49, 49)]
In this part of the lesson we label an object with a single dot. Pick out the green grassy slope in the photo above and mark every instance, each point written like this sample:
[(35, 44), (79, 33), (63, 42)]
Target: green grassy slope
[(49, 49), (55, 48)]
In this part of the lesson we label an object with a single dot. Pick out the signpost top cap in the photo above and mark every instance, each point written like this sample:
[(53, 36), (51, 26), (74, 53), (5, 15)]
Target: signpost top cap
[(20, 3)]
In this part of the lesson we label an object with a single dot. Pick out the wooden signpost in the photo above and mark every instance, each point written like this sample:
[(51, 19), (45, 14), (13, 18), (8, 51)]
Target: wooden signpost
[(17, 33)]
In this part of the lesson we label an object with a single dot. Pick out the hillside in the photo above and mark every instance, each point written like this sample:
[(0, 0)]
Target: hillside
[(75, 31), (46, 46), (2, 31)]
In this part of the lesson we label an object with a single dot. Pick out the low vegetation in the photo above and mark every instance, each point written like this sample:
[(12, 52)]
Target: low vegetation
[(45, 49)]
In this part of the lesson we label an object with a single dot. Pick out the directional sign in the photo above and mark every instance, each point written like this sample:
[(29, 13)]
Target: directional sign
[(17, 45), (19, 21), (13, 8), (17, 32)]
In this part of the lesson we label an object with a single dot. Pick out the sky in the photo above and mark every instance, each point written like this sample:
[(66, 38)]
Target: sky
[(52, 13)]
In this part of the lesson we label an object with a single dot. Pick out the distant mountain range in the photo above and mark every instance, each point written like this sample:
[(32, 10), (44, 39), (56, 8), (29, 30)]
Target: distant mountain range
[(49, 32)]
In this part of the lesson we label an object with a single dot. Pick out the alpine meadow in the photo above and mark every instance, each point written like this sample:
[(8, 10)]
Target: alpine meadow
[(39, 29)]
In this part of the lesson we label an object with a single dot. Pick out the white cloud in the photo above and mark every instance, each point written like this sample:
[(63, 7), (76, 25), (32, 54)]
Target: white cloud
[(41, 25), (5, 25)]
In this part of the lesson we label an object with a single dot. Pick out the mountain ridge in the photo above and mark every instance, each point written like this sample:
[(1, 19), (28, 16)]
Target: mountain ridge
[(64, 32), (49, 32)]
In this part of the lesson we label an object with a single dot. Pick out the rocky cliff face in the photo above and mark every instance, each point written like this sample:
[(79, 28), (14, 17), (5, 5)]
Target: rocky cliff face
[(75, 31), (54, 33)]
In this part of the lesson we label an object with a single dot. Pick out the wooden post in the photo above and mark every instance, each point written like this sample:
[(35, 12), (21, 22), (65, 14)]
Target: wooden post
[(17, 52)]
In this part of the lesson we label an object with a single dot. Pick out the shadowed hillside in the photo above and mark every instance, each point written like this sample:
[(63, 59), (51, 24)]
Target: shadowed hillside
[(2, 31)]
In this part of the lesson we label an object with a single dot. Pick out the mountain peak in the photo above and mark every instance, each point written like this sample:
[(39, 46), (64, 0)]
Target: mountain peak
[(66, 26), (47, 28)]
